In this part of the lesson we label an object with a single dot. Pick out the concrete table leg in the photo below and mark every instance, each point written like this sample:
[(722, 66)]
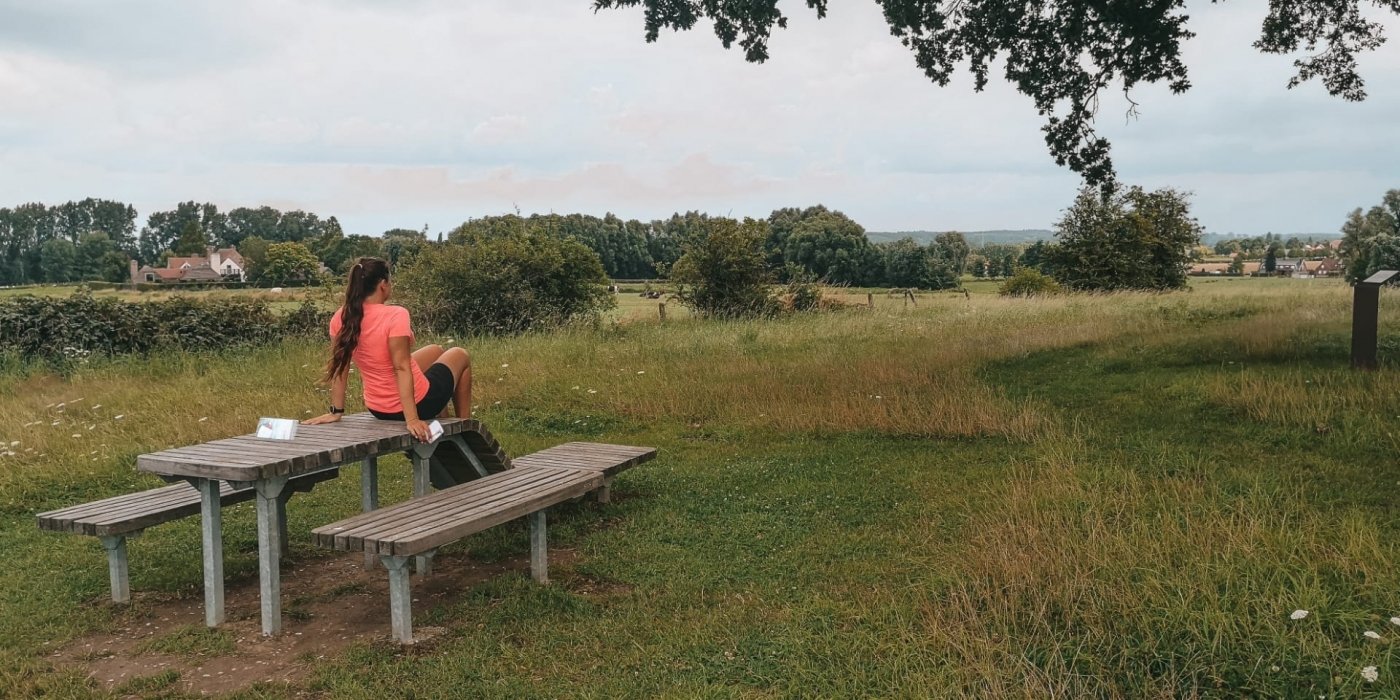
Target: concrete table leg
[(211, 523), (400, 598), (369, 494), (117, 568), (269, 553), (539, 548)]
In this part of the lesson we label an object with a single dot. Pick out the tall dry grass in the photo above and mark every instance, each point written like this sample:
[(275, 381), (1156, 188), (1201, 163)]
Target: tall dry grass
[(1077, 566)]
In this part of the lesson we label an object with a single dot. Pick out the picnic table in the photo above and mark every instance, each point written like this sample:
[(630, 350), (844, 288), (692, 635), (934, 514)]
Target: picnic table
[(266, 467)]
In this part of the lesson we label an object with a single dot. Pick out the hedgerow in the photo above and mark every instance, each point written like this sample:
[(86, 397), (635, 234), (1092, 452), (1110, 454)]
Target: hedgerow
[(82, 325)]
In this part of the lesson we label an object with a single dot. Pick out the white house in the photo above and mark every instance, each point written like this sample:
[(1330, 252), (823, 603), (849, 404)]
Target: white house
[(217, 265)]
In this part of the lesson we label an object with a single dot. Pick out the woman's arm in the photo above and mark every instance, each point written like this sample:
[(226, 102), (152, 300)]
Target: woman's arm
[(337, 401), (401, 355)]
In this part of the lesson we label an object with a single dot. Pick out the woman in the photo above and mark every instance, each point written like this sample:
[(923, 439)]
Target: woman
[(399, 383)]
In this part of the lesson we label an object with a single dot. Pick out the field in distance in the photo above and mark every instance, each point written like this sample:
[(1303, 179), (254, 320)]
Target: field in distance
[(1080, 496)]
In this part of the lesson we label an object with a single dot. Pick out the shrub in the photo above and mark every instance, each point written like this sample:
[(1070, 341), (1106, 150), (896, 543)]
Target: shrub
[(504, 284), (1126, 240), (724, 273), (1029, 283), (82, 325)]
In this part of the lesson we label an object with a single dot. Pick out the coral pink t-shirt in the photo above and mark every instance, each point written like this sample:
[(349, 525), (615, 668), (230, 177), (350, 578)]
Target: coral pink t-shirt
[(371, 356)]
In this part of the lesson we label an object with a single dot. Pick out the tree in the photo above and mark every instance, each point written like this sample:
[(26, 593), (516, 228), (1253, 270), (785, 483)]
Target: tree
[(1034, 256), (725, 273), (953, 248), (507, 283), (254, 252), (1132, 240), (829, 245), (287, 262), (1362, 233), (1271, 260), (164, 228), (401, 244), (1237, 264), (98, 258), (191, 241), (1063, 54), (58, 258)]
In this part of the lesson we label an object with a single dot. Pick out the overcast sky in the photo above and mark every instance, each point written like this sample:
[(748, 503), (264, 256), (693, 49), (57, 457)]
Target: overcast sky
[(403, 113)]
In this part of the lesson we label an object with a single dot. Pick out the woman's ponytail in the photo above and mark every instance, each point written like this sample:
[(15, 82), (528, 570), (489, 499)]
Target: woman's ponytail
[(365, 276)]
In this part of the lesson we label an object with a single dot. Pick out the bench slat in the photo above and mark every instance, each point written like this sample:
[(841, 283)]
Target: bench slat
[(350, 531), (465, 506), (143, 509), (427, 522), (574, 484)]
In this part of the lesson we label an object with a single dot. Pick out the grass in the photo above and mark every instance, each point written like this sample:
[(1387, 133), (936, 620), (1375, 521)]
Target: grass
[(1110, 496)]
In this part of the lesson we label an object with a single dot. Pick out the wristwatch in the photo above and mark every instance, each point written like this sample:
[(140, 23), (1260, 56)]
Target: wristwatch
[(336, 411)]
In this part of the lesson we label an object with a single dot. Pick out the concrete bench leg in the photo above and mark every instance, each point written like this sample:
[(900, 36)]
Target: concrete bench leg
[(270, 552), (400, 598), (116, 567), (211, 519), (282, 536), (605, 492), (539, 548), (422, 486), (369, 494)]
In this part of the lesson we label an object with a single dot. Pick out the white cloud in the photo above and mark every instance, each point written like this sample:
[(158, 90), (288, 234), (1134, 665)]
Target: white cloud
[(395, 114)]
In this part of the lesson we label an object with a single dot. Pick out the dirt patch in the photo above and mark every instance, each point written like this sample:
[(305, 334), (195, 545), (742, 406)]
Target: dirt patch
[(327, 605)]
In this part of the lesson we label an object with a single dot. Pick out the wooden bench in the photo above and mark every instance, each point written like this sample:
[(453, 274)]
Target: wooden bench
[(115, 520), (419, 526)]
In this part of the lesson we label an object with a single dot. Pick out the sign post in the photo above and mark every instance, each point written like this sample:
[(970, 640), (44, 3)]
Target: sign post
[(1365, 317)]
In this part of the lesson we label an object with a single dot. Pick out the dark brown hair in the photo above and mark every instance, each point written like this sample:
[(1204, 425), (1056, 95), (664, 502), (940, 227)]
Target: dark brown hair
[(365, 276)]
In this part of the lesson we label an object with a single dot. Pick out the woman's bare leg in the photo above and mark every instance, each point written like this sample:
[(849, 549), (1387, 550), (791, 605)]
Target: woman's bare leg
[(425, 356), (460, 362)]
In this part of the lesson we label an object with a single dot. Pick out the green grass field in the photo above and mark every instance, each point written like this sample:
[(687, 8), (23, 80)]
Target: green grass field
[(1101, 496)]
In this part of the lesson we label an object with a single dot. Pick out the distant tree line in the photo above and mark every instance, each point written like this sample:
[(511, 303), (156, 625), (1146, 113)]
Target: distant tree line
[(1258, 247), (814, 241), (95, 239)]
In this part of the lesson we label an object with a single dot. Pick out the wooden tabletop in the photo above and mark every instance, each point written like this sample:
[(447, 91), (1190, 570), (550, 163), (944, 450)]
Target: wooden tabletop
[(316, 447)]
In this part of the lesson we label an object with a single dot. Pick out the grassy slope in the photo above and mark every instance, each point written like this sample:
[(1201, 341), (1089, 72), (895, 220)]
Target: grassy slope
[(1119, 496)]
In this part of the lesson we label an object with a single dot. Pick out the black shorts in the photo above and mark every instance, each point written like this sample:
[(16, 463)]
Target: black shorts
[(440, 386)]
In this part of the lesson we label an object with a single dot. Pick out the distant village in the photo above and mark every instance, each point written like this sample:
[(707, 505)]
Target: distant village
[(1320, 260)]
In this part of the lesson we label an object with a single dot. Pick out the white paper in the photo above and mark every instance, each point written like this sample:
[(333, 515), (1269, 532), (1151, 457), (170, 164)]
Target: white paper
[(434, 431), (277, 428)]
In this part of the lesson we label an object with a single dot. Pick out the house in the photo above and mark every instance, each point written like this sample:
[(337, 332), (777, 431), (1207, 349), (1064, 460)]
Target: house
[(1326, 267), (215, 266), (1288, 267)]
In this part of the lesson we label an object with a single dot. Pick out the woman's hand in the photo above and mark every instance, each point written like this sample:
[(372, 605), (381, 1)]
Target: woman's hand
[(322, 419), (419, 429)]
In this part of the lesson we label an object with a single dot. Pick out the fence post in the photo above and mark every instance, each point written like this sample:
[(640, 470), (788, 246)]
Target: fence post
[(661, 309), (1365, 315), (870, 299)]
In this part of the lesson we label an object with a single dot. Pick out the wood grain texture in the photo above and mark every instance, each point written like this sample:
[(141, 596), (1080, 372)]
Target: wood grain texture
[(428, 522), (354, 437)]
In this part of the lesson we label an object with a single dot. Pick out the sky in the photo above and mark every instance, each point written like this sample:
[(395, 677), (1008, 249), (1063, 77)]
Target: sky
[(429, 112)]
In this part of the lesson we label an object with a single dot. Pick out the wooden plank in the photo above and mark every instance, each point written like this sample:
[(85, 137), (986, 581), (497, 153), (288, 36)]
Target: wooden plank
[(80, 510), (351, 525), (250, 465), (563, 490), (350, 536), (205, 469), (73, 518), (142, 520), (465, 507), (334, 453), (405, 526), (345, 534)]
